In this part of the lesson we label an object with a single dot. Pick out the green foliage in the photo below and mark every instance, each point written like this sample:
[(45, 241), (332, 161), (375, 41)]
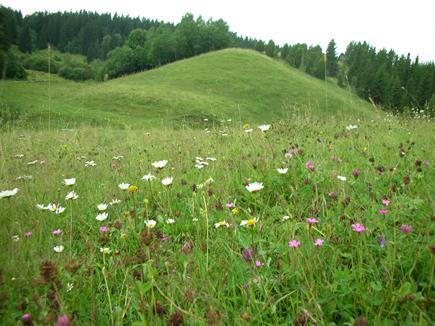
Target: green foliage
[(314, 62), (187, 37), (260, 46), (270, 49), (164, 44), (331, 60), (75, 70), (25, 43), (11, 67), (161, 46), (42, 61), (120, 61), (136, 38), (391, 80)]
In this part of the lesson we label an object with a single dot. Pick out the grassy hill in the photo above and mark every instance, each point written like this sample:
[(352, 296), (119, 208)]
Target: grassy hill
[(238, 84)]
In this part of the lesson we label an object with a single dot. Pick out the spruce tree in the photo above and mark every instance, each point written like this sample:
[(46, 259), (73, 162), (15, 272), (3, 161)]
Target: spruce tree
[(270, 49), (25, 40), (331, 60)]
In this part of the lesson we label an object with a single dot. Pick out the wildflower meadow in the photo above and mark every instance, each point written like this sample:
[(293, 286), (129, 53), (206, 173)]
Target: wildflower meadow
[(302, 221)]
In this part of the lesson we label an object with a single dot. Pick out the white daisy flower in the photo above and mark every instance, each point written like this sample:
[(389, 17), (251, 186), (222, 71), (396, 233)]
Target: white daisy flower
[(51, 207), (150, 223), (264, 128), (282, 170), (24, 177), (71, 195), (209, 181), (221, 224), (159, 164), (148, 177), (15, 238), (19, 155), (167, 181), (58, 249), (123, 186), (8, 193), (285, 218), (255, 186), (351, 127), (69, 182), (114, 201), (102, 217), (170, 221), (339, 177), (41, 207), (102, 207), (105, 251), (90, 164), (250, 222), (59, 210)]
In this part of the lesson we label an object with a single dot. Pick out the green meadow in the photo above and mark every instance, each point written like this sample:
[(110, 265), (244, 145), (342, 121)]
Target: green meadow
[(323, 216)]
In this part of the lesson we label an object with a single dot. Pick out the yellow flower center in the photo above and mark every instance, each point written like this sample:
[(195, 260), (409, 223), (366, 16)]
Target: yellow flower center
[(132, 189)]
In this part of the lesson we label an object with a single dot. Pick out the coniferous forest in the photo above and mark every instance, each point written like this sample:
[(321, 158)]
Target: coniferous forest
[(88, 45)]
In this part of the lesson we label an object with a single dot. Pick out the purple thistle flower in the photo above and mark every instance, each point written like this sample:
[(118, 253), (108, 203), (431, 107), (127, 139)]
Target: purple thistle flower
[(27, 319), (104, 229), (310, 165), (405, 228), (63, 321), (356, 173), (248, 254), (381, 241)]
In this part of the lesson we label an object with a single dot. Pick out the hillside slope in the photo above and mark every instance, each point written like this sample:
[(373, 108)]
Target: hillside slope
[(232, 83)]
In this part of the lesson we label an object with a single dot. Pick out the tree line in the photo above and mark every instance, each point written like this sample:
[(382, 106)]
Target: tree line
[(116, 45)]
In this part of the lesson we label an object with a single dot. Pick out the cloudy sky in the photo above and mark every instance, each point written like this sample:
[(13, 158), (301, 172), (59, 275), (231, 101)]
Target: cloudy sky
[(403, 25)]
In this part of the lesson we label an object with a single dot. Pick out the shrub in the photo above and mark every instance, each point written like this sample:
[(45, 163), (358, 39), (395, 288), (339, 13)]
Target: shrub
[(10, 66), (75, 70), (39, 62)]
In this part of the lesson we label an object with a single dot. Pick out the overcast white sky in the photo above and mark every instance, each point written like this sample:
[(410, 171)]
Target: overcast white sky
[(403, 25)]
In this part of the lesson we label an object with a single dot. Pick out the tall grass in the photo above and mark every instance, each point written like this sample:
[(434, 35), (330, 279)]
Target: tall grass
[(192, 272)]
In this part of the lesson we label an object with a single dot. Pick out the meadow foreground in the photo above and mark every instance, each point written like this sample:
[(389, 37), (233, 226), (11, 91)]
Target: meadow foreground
[(305, 221)]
